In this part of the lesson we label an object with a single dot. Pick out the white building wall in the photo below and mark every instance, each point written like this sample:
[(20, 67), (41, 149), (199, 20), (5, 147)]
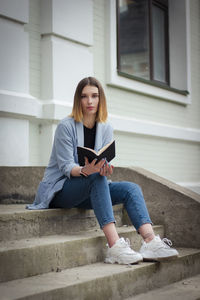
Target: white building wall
[(15, 10), (34, 144), (171, 159), (14, 141), (34, 32), (76, 63), (66, 54), (44, 54), (153, 133), (14, 82), (49, 46), (66, 59), (154, 108), (13, 75)]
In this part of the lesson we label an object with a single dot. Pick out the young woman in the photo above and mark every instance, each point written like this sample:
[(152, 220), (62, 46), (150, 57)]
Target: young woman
[(66, 184)]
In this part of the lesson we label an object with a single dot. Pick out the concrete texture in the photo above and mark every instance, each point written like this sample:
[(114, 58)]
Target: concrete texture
[(68, 244), (187, 289), (16, 222), (173, 206), (19, 184), (103, 281), (169, 204), (18, 259)]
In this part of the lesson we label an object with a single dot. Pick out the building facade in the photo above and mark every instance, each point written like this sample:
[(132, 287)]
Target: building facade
[(47, 46)]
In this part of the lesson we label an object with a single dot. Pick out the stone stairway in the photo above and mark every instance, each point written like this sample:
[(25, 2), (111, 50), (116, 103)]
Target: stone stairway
[(186, 289), (42, 258), (58, 253)]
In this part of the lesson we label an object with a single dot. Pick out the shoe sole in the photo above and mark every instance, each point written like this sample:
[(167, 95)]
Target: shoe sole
[(107, 261), (160, 259)]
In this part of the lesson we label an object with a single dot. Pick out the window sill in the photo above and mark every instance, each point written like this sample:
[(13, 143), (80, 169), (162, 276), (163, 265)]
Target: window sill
[(148, 89), (152, 83)]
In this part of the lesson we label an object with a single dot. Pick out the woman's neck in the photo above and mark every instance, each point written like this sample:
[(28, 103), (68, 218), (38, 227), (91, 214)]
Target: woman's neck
[(89, 122)]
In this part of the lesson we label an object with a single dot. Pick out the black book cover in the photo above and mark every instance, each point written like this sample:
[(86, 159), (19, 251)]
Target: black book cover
[(107, 152)]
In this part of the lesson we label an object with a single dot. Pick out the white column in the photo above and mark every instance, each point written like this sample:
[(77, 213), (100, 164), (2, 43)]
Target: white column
[(14, 50), (14, 83), (67, 35), (66, 58)]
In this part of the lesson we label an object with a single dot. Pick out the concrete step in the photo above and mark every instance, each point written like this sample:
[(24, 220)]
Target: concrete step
[(19, 259), (16, 222), (187, 289), (103, 281)]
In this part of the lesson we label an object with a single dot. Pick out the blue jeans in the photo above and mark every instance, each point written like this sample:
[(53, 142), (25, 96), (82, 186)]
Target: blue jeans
[(95, 193)]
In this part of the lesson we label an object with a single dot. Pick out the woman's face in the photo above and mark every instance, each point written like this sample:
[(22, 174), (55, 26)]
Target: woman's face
[(89, 100)]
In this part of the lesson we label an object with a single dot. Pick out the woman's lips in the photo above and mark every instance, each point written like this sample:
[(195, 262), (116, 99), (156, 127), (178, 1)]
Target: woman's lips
[(90, 107)]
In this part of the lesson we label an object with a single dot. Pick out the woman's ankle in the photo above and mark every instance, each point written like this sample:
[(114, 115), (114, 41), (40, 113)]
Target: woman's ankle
[(149, 237), (147, 232), (112, 243), (110, 234)]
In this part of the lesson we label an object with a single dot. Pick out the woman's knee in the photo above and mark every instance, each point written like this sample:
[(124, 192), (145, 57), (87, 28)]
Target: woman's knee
[(96, 177), (134, 187)]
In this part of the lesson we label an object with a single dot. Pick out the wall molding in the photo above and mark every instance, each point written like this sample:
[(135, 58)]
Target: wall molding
[(16, 104), (56, 110), (57, 36), (16, 11), (142, 127), (13, 19)]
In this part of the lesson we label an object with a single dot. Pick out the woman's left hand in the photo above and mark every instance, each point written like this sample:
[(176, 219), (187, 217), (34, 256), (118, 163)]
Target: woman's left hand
[(106, 170)]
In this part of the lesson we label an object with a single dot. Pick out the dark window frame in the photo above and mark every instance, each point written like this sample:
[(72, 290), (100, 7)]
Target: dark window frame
[(163, 4)]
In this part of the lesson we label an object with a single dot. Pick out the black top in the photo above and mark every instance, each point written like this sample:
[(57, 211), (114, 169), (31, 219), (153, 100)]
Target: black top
[(89, 137)]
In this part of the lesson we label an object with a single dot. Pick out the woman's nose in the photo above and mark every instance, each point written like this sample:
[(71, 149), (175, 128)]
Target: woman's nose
[(89, 99)]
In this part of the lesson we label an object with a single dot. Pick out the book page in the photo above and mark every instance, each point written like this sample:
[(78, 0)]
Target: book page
[(104, 148)]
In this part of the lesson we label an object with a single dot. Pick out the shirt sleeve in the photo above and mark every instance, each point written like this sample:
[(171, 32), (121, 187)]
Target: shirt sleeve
[(65, 147)]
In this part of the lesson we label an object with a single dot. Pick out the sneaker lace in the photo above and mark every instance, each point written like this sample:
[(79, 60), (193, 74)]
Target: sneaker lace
[(127, 245), (167, 243), (124, 242), (127, 242)]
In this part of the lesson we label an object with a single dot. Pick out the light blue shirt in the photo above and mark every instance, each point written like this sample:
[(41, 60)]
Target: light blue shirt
[(69, 134)]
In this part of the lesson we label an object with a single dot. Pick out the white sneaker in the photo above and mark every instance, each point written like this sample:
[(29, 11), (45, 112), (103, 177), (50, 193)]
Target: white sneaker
[(158, 250), (121, 253)]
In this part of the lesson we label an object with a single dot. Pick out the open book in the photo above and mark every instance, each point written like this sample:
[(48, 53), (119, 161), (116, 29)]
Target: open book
[(107, 152)]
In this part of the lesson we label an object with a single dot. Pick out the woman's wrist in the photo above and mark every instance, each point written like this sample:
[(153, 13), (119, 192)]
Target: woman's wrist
[(82, 172)]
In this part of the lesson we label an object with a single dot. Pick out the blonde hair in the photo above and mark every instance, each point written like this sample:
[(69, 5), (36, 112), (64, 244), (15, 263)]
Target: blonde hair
[(77, 113)]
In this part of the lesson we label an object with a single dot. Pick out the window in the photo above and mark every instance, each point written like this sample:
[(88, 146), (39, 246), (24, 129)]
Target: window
[(142, 39), (175, 85)]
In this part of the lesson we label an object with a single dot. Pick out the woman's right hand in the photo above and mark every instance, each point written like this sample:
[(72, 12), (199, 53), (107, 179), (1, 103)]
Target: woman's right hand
[(91, 168)]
